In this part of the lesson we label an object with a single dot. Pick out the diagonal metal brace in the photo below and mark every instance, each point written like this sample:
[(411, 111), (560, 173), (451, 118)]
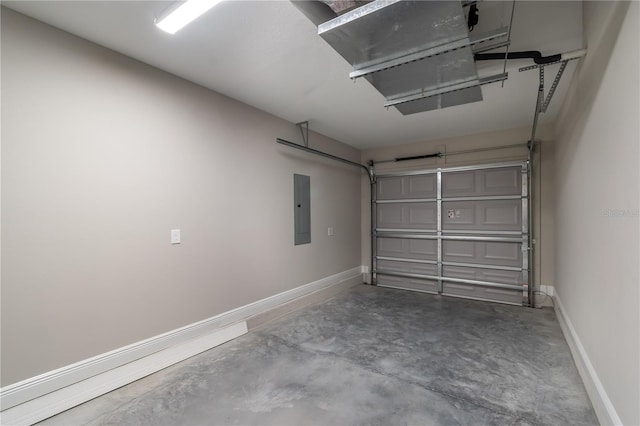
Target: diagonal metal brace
[(304, 130), (542, 102), (554, 85)]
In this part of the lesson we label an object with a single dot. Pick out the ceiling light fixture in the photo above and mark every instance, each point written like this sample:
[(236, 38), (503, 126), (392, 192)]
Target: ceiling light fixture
[(185, 13)]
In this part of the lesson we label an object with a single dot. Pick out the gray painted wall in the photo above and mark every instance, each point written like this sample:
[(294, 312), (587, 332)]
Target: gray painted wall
[(597, 200), (101, 157)]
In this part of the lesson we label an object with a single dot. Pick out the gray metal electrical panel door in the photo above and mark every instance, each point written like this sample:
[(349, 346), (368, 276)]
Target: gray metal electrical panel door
[(454, 231), (302, 209)]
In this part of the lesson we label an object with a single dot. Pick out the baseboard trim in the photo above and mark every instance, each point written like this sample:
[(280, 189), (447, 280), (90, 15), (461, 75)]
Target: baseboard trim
[(19, 394), (60, 400), (602, 405)]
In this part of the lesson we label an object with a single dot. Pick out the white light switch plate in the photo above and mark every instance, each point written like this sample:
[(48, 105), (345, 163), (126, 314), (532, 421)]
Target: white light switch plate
[(175, 236)]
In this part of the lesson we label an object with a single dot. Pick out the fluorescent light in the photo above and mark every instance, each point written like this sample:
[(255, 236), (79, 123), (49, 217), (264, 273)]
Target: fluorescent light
[(187, 12)]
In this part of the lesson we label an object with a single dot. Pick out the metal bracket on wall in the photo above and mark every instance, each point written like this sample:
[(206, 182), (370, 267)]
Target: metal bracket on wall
[(542, 102), (304, 130)]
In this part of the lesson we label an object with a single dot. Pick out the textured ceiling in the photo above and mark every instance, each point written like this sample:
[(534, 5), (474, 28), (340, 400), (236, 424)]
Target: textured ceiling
[(267, 54)]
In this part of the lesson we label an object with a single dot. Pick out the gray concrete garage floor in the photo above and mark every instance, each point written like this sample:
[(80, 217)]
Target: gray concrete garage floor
[(368, 356)]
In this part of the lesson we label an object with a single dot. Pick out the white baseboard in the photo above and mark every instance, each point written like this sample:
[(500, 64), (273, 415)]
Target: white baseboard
[(60, 400), (46, 389), (602, 405)]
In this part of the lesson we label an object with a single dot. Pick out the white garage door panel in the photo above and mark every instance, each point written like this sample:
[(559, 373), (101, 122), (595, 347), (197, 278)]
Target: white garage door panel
[(458, 232), (482, 252), (404, 280), (426, 286), (408, 216), (479, 274), (490, 182), (408, 267), (487, 216), (406, 248), (403, 187)]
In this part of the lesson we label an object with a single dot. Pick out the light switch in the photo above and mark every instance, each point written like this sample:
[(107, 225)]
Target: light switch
[(175, 236), (329, 231)]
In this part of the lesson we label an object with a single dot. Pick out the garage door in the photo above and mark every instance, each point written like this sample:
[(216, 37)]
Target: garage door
[(459, 232)]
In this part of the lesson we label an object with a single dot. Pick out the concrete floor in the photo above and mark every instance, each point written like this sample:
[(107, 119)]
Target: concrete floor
[(368, 356)]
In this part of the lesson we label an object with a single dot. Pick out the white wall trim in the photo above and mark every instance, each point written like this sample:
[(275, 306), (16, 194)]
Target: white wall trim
[(605, 411), (35, 387), (62, 399)]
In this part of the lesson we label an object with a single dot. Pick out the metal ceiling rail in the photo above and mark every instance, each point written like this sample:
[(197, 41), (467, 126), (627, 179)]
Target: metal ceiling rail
[(324, 154), (447, 89), (405, 58)]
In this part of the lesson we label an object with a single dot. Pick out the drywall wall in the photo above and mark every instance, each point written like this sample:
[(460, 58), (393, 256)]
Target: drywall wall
[(597, 204), (542, 185), (101, 157)]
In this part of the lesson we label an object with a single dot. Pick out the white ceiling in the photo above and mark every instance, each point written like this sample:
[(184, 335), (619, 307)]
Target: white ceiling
[(267, 54)]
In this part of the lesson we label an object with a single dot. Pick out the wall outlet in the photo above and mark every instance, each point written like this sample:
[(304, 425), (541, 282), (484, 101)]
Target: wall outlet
[(330, 232), (175, 236)]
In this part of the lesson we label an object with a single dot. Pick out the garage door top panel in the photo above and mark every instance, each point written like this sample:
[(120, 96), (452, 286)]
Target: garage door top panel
[(481, 183)]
